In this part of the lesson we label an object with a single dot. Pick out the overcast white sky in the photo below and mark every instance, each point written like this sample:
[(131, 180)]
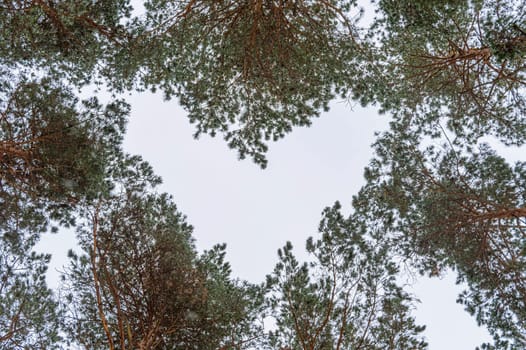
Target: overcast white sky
[(256, 211)]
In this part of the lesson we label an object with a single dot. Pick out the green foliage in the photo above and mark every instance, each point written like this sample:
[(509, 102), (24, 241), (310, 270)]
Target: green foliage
[(232, 312), (455, 74), (54, 146), (139, 260), (457, 62), (139, 282), (248, 70), (464, 211), (29, 316), (346, 298), (54, 149), (63, 37), (449, 72)]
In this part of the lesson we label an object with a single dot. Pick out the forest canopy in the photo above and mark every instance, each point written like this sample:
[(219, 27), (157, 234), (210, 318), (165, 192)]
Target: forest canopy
[(447, 74)]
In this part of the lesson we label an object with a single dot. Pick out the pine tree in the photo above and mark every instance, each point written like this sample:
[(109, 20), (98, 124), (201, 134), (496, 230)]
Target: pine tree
[(139, 283), (29, 315), (454, 73), (346, 298), (248, 70), (54, 149), (62, 38), (461, 63), (449, 72), (461, 210)]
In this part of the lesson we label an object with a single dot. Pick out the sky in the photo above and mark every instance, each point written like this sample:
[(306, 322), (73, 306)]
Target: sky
[(256, 211)]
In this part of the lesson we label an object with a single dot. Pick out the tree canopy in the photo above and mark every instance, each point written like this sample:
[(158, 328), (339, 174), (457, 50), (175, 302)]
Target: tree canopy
[(139, 283), (449, 75), (347, 298)]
